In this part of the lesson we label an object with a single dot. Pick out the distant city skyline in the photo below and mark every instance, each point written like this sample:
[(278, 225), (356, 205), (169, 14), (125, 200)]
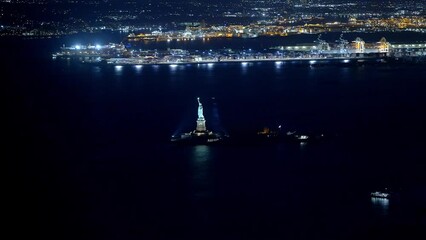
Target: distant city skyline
[(59, 17)]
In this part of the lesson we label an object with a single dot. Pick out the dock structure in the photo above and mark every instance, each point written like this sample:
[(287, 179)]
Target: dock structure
[(356, 46), (319, 50)]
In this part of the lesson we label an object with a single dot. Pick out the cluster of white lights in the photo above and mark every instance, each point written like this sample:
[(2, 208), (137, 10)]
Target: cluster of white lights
[(299, 47), (79, 47), (409, 45)]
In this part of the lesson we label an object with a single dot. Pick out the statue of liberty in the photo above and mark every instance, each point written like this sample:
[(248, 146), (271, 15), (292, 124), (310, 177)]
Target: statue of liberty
[(201, 122), (200, 110)]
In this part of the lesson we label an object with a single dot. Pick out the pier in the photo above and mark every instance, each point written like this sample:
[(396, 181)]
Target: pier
[(341, 51)]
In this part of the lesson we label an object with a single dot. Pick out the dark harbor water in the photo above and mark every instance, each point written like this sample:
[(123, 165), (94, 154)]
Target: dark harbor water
[(90, 157)]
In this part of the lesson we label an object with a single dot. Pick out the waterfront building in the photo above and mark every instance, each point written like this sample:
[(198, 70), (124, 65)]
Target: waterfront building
[(359, 45), (384, 45)]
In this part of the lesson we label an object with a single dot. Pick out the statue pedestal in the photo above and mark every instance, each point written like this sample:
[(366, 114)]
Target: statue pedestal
[(201, 126)]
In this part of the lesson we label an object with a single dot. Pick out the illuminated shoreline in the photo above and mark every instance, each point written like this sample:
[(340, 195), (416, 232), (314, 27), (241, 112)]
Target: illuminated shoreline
[(318, 52), (278, 61)]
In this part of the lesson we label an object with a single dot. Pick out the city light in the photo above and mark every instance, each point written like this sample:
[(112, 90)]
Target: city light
[(337, 50)]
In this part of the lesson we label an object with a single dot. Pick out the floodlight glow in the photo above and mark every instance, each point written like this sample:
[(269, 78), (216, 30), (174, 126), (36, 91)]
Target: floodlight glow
[(78, 47), (98, 46), (346, 61), (312, 62)]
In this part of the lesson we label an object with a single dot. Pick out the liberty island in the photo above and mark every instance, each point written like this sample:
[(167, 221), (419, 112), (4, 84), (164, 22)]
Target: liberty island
[(200, 135)]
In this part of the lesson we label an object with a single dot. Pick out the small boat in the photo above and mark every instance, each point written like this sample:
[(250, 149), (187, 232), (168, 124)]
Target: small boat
[(378, 194), (302, 137)]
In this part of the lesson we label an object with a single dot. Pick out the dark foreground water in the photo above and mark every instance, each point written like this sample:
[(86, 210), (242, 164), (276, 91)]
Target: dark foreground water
[(90, 157)]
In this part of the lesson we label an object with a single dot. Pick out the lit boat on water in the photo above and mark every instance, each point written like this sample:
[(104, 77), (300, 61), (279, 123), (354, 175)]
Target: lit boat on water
[(302, 137), (378, 194), (276, 134)]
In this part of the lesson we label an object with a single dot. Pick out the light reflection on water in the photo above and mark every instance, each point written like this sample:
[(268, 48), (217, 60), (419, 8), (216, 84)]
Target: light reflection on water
[(278, 65), (138, 66), (97, 70), (381, 204), (201, 153), (155, 68), (201, 168), (210, 65), (118, 70), (244, 66), (173, 68)]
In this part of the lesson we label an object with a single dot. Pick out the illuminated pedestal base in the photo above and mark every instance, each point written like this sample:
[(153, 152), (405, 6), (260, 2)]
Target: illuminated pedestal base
[(201, 125), (199, 138)]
